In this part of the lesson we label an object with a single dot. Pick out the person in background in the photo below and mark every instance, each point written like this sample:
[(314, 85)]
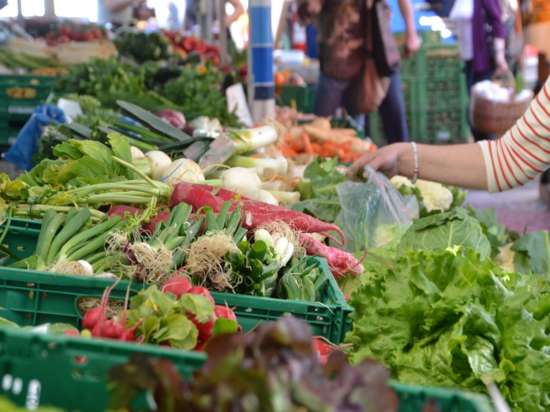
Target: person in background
[(341, 54), (481, 32), (192, 13), (519, 156), (118, 12)]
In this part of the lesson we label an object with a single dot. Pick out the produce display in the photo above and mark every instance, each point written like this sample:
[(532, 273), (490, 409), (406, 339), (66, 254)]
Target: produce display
[(275, 368), (173, 227)]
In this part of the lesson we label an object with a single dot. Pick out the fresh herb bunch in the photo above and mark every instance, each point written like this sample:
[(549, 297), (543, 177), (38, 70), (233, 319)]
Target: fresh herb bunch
[(198, 92)]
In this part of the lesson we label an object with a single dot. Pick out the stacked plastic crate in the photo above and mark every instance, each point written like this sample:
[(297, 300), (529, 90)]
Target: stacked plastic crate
[(435, 93)]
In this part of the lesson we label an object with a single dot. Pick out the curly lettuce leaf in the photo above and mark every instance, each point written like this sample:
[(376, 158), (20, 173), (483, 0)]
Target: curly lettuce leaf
[(448, 318)]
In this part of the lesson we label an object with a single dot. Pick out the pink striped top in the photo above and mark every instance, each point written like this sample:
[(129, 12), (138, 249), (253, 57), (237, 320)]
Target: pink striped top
[(524, 151)]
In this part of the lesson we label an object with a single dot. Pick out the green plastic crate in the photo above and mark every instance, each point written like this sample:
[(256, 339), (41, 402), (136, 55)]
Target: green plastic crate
[(31, 297), (300, 97), (414, 399), (19, 95), (71, 372)]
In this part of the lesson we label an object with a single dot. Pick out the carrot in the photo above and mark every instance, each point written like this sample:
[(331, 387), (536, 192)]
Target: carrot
[(307, 143), (287, 151), (297, 146)]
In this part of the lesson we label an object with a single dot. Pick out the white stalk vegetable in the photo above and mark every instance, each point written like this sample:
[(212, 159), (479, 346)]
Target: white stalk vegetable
[(264, 236), (286, 198), (284, 249), (159, 163), (242, 181), (183, 170), (274, 166), (266, 197), (250, 140)]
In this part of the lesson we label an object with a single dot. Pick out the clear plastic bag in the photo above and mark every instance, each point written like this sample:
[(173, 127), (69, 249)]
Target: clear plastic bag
[(373, 213)]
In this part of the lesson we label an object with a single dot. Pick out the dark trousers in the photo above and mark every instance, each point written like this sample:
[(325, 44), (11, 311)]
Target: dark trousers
[(330, 97), (472, 78)]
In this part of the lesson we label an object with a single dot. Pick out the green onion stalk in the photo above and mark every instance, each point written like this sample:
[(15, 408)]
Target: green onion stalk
[(158, 256), (70, 243)]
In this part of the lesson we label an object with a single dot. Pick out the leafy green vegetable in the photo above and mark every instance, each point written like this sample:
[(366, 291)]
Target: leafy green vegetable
[(142, 46), (253, 270), (198, 92), (533, 253), (446, 230), (160, 318), (301, 281), (318, 190), (497, 234), (448, 318), (274, 368)]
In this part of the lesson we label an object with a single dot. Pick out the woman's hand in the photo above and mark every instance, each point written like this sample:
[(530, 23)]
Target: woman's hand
[(387, 160)]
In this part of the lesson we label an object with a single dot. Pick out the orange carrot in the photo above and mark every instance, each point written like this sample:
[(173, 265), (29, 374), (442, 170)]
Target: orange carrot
[(306, 142)]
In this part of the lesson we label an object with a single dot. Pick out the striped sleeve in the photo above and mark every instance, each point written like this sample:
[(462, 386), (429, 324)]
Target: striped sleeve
[(524, 151)]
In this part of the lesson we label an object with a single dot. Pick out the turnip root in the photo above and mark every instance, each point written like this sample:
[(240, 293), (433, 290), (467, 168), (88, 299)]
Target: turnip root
[(183, 170), (159, 163)]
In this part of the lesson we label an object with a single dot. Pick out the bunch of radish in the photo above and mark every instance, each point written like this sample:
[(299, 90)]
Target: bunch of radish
[(100, 324), (179, 285)]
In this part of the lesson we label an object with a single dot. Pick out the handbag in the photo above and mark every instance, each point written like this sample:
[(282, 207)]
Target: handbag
[(370, 87)]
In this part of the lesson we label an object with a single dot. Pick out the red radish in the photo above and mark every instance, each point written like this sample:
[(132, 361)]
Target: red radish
[(340, 262), (92, 317), (71, 332), (205, 329), (323, 348), (198, 196), (129, 335), (224, 312), (161, 217), (202, 291), (256, 214), (177, 285), (122, 211)]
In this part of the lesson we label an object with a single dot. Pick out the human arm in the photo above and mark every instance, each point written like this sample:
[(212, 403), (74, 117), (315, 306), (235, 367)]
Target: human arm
[(115, 6), (412, 40), (514, 159), (458, 165), (493, 11), (239, 11)]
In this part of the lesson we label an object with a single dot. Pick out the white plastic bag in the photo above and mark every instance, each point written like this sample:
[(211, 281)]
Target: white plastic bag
[(373, 213)]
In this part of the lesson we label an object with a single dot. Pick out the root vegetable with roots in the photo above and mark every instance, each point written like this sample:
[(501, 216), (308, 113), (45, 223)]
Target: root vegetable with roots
[(205, 260)]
